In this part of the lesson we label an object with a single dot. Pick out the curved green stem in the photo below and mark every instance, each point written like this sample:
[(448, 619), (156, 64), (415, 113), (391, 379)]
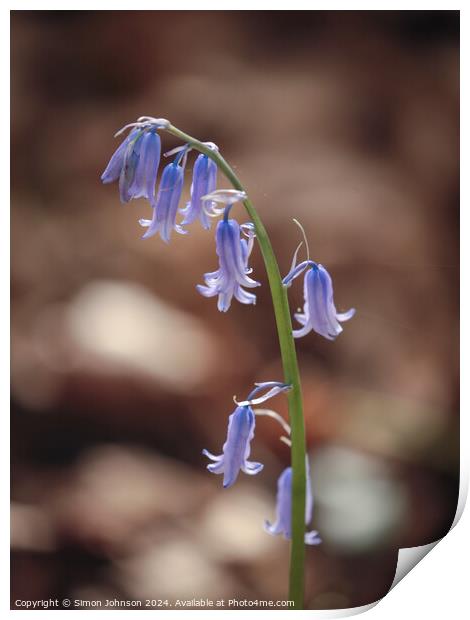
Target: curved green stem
[(291, 374)]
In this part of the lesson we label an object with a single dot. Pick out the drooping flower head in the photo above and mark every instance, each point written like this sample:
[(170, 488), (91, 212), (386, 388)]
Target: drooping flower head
[(236, 449), (233, 252), (319, 313), (204, 182), (240, 432), (165, 208), (283, 523), (135, 162)]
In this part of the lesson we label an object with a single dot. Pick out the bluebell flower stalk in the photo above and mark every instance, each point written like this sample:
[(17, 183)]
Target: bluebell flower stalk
[(228, 281), (319, 312), (204, 182), (291, 373), (283, 524), (240, 433)]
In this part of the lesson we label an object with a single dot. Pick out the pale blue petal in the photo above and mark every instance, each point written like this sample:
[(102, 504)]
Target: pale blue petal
[(345, 316)]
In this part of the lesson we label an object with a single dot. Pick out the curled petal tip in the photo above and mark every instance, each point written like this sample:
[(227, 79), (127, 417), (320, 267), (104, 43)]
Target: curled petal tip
[(345, 316), (268, 527), (251, 469)]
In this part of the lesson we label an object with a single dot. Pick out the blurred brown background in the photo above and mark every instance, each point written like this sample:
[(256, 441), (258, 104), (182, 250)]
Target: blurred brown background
[(122, 373)]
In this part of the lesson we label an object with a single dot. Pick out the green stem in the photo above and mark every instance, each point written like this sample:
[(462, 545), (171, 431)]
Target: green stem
[(291, 374)]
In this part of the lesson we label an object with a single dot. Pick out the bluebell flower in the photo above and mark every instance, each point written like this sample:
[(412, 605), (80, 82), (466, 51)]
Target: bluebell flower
[(319, 311), (240, 432), (283, 523), (236, 450), (166, 204), (114, 167), (204, 182), (135, 163), (232, 275)]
